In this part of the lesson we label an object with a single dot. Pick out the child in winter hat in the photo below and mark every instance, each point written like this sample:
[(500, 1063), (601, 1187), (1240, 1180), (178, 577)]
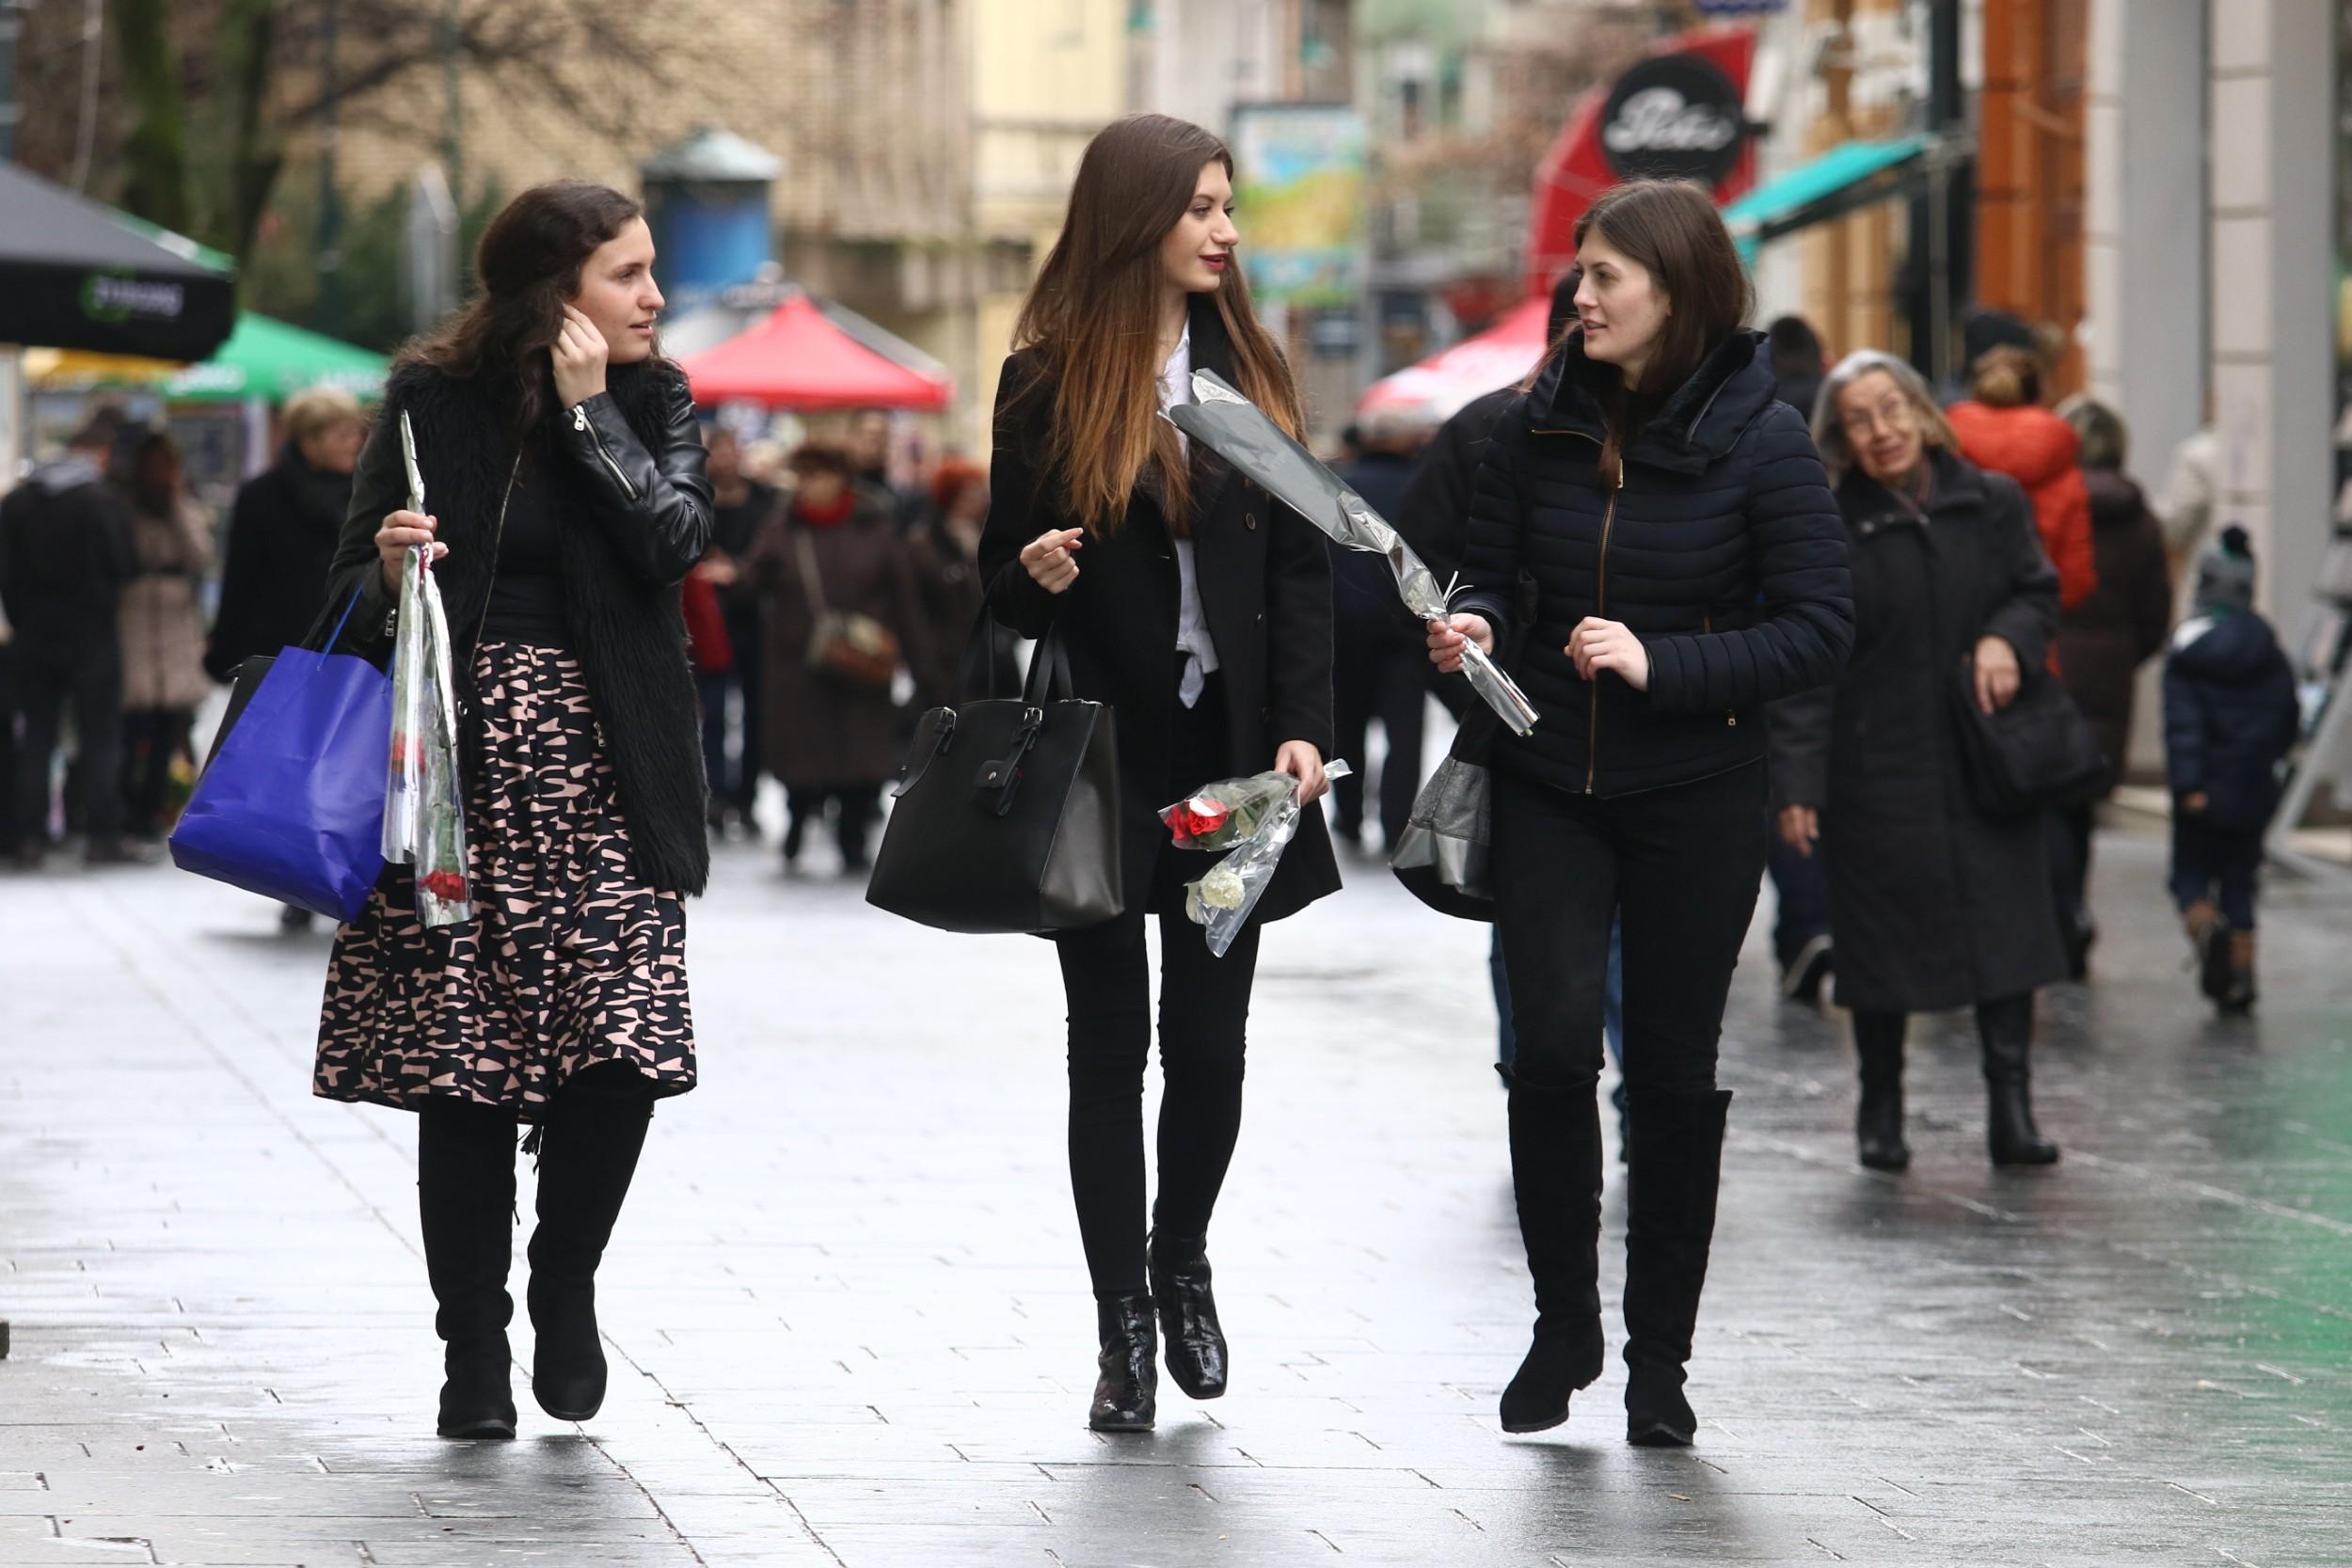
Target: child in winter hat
[(2231, 716)]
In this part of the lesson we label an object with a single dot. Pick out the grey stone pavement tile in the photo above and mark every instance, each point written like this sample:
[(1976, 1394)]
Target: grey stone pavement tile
[(850, 1324)]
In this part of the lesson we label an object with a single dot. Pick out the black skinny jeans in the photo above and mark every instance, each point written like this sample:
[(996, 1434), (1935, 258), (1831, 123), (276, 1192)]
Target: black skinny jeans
[(1204, 1021), (1679, 867)]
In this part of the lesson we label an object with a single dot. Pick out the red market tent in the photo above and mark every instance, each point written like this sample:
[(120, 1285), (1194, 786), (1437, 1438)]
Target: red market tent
[(798, 359), (1431, 391)]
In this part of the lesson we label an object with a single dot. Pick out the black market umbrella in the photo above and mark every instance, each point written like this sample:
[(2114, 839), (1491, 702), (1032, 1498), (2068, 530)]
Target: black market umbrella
[(74, 274)]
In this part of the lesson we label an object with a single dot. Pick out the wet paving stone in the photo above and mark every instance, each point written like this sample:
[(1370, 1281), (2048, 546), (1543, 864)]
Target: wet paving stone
[(850, 1324)]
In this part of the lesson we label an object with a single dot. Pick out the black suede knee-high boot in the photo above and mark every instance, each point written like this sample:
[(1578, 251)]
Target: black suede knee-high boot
[(2005, 1028), (1555, 1175), (466, 1206), (588, 1151), (1678, 1144)]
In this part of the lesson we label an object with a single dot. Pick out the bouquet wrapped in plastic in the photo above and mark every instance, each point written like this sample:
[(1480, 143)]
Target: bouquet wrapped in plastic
[(424, 805), (1222, 814), (1222, 900), (1239, 431)]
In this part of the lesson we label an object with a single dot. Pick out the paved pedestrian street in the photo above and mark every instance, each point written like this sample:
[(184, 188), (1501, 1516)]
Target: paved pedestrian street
[(849, 1322)]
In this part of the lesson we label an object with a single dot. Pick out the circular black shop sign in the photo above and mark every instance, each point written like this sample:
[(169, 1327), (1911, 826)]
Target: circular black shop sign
[(1673, 117)]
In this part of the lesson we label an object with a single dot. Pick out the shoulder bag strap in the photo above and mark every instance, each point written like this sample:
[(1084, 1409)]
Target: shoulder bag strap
[(812, 582)]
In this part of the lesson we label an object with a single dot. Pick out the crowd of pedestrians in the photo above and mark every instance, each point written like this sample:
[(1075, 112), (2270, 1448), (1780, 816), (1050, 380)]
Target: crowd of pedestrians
[(1770, 611)]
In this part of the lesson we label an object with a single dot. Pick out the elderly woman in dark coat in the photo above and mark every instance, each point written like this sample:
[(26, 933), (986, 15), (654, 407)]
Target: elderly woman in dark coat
[(1933, 904), (831, 734)]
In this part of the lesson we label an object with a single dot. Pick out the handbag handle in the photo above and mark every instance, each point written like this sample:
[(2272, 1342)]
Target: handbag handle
[(981, 654)]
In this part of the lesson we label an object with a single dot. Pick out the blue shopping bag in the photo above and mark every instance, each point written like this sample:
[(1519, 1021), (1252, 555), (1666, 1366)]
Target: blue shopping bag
[(291, 806)]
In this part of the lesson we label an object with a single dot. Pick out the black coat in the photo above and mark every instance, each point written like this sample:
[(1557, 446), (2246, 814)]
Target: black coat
[(1433, 514), (1266, 586), (281, 541), (2229, 714), (633, 507), (66, 554), (1933, 904), (2118, 625), (1721, 550)]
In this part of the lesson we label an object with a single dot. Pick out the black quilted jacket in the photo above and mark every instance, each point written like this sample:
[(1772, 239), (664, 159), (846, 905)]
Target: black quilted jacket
[(1722, 551)]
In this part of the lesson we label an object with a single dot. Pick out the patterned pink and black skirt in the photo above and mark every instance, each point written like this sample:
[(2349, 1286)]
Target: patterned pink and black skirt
[(570, 961)]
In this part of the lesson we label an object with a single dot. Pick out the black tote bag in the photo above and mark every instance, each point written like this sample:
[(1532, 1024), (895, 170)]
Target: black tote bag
[(1006, 817), (2036, 753)]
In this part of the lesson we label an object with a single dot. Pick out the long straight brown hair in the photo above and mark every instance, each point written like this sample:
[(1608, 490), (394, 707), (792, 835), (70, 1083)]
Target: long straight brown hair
[(1092, 318), (1671, 227)]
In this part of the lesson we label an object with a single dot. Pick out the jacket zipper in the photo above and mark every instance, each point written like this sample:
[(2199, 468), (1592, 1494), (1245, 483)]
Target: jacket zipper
[(1600, 606), (579, 422)]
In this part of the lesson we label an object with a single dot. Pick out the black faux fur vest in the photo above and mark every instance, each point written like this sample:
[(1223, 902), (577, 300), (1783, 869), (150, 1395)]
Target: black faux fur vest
[(628, 634)]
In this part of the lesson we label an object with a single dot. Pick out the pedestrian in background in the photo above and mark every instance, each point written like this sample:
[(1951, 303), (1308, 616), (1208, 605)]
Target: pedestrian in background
[(2002, 427), (944, 556), (65, 557), (1434, 518), (741, 506), (1199, 609), (162, 631), (2102, 642), (1689, 570), (1381, 674), (282, 533), (560, 456), (2230, 718), (833, 551), (1933, 904), (1801, 940)]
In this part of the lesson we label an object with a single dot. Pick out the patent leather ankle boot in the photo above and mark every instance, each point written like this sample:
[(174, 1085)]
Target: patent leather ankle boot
[(1126, 1386), (1178, 1267)]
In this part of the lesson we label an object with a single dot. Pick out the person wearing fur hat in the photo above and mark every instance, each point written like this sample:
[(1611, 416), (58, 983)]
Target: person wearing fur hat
[(2230, 718)]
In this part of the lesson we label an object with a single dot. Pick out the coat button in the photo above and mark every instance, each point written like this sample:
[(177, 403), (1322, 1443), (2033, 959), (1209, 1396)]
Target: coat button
[(1249, 519)]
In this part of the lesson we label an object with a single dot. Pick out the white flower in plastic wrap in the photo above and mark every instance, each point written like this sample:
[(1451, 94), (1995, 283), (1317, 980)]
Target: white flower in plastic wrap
[(1222, 889)]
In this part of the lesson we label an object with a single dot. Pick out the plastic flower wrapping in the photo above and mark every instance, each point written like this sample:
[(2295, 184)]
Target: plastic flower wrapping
[(1238, 430), (1223, 814), (1222, 900), (424, 804)]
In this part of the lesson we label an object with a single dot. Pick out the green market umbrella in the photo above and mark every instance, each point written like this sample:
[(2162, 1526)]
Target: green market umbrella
[(269, 359), (261, 359)]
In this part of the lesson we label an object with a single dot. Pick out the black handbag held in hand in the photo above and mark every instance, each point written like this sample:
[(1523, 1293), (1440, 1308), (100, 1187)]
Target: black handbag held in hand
[(2036, 754), (1006, 817)]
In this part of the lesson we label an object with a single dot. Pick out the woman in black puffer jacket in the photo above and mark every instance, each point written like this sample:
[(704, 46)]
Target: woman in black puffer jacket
[(1688, 567)]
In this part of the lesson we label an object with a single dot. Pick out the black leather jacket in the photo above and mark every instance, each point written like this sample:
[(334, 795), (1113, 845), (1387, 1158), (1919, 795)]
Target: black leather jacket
[(625, 479)]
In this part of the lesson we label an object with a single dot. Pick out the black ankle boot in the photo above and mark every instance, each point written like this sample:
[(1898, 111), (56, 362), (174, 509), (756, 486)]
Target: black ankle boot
[(1126, 1390), (588, 1151), (2006, 1029), (1555, 1176), (1879, 1119), (1670, 1227), (466, 1206), (1180, 1288)]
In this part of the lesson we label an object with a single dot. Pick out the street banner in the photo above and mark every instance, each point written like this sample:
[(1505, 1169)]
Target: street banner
[(1300, 195)]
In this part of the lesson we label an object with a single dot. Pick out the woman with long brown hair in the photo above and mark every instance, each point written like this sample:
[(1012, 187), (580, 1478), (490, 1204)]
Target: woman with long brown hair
[(1690, 567), (562, 463), (1201, 611)]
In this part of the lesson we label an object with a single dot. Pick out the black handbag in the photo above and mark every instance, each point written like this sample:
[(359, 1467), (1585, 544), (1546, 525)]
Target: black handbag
[(2035, 754), (1006, 817)]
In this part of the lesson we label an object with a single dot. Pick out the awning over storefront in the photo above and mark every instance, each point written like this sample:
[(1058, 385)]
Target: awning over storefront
[(1432, 391), (1854, 175)]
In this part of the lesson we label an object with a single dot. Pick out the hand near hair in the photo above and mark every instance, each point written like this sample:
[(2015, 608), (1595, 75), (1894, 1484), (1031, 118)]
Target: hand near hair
[(580, 352)]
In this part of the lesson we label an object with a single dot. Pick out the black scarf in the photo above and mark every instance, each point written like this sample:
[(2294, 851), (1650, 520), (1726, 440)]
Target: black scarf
[(630, 635)]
